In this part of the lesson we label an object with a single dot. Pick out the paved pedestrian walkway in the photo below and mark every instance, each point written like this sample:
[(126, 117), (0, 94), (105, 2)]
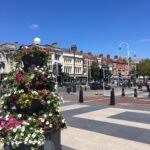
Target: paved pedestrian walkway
[(103, 127)]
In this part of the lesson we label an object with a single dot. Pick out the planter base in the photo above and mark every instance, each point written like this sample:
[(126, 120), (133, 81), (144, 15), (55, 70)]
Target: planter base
[(52, 142)]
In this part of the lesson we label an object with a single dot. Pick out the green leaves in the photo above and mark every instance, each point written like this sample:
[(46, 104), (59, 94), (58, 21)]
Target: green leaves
[(95, 71), (143, 68)]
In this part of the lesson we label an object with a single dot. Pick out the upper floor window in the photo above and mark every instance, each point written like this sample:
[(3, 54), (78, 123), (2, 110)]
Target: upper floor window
[(57, 56)]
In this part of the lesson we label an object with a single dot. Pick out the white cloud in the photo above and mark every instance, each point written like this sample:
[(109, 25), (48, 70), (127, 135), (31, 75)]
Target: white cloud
[(34, 26), (145, 40)]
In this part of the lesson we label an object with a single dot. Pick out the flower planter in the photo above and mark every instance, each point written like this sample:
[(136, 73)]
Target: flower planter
[(52, 142)]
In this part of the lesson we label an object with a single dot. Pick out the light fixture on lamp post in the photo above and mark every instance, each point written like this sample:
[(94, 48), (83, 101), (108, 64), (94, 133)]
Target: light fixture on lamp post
[(128, 52)]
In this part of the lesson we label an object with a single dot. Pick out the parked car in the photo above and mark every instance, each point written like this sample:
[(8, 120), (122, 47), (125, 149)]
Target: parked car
[(99, 86)]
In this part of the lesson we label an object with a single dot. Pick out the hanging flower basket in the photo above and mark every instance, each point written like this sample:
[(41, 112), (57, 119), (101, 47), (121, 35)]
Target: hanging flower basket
[(34, 60)]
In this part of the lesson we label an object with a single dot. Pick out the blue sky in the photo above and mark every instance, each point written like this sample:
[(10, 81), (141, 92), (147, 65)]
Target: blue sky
[(94, 25)]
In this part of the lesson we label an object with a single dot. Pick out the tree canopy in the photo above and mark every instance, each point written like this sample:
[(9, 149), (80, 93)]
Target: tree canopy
[(143, 68), (95, 71)]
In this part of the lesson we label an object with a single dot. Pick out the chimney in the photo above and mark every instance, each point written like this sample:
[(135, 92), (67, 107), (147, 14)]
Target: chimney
[(108, 56), (115, 57), (81, 52), (73, 48), (90, 53), (101, 55)]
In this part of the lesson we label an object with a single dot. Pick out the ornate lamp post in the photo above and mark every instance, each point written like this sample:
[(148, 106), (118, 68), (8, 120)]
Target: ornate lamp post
[(128, 52), (74, 49)]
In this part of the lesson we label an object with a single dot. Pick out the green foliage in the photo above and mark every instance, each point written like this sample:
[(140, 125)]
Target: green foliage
[(143, 68), (95, 71)]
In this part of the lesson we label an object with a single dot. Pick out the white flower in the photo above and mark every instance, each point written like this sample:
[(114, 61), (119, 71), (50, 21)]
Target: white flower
[(63, 121), (48, 102), (25, 123), (18, 127), (29, 118), (39, 143), (29, 135), (7, 117), (47, 123), (5, 78), (58, 110), (19, 115), (26, 139), (16, 143), (25, 142), (21, 91), (22, 134), (35, 69), (32, 76), (33, 135), (23, 129), (50, 125), (45, 115), (14, 130), (50, 114), (13, 108), (42, 119), (41, 130), (5, 107), (35, 92), (30, 141), (21, 69)]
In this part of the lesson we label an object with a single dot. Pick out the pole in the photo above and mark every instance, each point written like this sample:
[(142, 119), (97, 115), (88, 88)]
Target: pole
[(103, 82), (128, 51), (87, 71), (56, 77), (74, 65)]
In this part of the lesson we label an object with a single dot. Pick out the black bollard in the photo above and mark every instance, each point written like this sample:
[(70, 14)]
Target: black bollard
[(123, 92), (85, 88), (81, 95), (148, 88), (74, 88), (68, 89), (135, 93), (112, 97)]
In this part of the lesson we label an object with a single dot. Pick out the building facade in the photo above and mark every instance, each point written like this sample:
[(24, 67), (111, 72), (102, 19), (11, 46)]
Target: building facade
[(6, 61)]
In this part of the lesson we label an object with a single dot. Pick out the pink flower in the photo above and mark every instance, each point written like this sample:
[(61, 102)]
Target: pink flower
[(17, 123), (19, 77)]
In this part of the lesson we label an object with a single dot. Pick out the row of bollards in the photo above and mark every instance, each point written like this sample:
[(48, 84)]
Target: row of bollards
[(112, 95)]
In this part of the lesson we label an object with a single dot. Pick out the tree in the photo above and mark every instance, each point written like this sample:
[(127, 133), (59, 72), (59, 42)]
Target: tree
[(143, 68), (95, 71)]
